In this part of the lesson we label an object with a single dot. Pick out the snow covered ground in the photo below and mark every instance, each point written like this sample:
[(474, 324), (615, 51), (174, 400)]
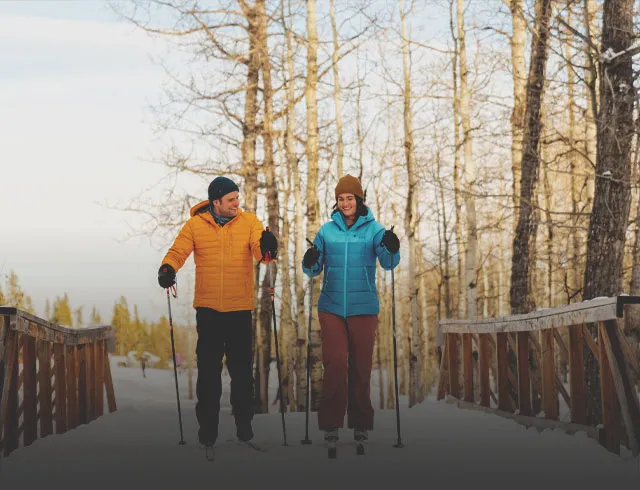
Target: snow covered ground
[(137, 447)]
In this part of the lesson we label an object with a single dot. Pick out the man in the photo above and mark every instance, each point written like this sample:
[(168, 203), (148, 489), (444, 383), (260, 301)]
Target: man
[(224, 240)]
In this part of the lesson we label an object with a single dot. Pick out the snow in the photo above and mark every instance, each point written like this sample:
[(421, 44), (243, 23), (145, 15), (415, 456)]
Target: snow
[(137, 447)]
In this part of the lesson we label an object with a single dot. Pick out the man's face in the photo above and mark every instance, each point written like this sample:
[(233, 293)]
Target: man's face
[(227, 206)]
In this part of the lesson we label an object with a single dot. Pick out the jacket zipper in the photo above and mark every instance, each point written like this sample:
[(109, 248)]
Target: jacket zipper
[(222, 265), (346, 249)]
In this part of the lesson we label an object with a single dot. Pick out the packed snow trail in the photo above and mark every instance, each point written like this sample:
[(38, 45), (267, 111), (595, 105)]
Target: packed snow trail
[(445, 447)]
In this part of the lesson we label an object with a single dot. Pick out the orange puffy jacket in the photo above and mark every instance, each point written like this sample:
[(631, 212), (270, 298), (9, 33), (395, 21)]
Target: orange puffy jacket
[(223, 256)]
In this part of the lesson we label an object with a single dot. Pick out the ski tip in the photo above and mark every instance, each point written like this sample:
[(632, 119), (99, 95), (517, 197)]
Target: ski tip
[(209, 453)]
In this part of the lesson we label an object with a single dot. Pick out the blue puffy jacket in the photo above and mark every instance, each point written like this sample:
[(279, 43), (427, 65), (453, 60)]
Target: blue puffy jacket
[(348, 256)]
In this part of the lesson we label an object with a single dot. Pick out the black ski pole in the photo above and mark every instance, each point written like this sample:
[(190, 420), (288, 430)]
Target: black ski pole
[(175, 367), (395, 354), (306, 439), (395, 351), (275, 333)]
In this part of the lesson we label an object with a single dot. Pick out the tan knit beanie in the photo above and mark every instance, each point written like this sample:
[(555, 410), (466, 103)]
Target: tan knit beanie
[(349, 185)]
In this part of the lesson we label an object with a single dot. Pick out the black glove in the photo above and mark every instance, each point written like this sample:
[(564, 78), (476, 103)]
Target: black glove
[(268, 245), (311, 257), (390, 241), (166, 276)]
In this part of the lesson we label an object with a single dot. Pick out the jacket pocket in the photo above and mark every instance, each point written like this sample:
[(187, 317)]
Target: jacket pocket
[(366, 275), (325, 279)]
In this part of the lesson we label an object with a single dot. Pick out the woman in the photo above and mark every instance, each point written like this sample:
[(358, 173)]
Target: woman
[(346, 248)]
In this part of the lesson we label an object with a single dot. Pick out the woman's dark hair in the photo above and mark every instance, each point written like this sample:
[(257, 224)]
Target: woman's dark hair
[(361, 207)]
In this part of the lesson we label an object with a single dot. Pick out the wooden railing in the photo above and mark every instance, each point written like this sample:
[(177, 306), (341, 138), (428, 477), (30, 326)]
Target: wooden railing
[(50, 374), (518, 353)]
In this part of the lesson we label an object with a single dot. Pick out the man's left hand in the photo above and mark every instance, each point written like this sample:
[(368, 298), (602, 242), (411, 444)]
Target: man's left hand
[(268, 245)]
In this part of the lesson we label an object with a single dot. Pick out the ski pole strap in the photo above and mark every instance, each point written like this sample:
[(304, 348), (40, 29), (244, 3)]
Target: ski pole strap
[(174, 290)]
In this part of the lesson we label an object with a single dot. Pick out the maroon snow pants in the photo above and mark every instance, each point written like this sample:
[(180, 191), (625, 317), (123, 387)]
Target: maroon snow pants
[(347, 356)]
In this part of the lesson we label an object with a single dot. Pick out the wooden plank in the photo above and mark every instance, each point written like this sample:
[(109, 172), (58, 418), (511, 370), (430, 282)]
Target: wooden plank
[(574, 314), (72, 386), (8, 399), (628, 353), (625, 391), (610, 407), (549, 392), (504, 398), (467, 364), (454, 379), (108, 382), (593, 346), (41, 329), (61, 388), (576, 372), (29, 390), (83, 415), (44, 382), (485, 361), (89, 351), (99, 378), (443, 379), (524, 379), (560, 341)]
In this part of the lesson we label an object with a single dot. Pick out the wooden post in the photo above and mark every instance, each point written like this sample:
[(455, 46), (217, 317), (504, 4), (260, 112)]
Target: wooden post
[(454, 376), (576, 372), (625, 391), (502, 349), (549, 391), (90, 359), (467, 364), (9, 405), (46, 393), (108, 382), (485, 362), (61, 388), (524, 379), (610, 407), (443, 379), (72, 385), (82, 385), (99, 378), (30, 390)]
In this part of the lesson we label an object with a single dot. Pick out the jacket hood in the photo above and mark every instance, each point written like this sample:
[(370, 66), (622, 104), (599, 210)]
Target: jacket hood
[(338, 218), (199, 208), (202, 208)]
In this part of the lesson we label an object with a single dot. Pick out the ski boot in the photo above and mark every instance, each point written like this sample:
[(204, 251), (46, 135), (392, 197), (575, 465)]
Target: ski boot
[(331, 436), (361, 437)]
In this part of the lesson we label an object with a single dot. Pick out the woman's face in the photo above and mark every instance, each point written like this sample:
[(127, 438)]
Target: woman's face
[(347, 205)]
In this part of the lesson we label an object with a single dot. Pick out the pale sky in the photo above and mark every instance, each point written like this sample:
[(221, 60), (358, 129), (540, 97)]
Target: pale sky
[(75, 86)]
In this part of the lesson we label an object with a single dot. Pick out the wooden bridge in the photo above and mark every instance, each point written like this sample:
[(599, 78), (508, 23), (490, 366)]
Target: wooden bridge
[(55, 379), (52, 375), (518, 353)]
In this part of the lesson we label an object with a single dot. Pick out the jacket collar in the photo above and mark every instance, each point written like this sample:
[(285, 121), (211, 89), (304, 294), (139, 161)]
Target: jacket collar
[(202, 210), (338, 218)]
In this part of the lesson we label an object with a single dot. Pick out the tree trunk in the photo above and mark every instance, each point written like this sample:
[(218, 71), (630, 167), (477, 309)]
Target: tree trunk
[(268, 167), (457, 194), (249, 126), (609, 217), (469, 169), (416, 393), (518, 63), (336, 88), (521, 295), (313, 206)]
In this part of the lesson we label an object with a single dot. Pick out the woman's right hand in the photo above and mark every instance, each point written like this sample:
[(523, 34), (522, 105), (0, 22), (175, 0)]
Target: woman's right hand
[(311, 257)]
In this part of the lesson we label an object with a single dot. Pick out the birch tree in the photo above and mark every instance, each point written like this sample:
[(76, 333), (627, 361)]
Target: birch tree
[(521, 296)]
